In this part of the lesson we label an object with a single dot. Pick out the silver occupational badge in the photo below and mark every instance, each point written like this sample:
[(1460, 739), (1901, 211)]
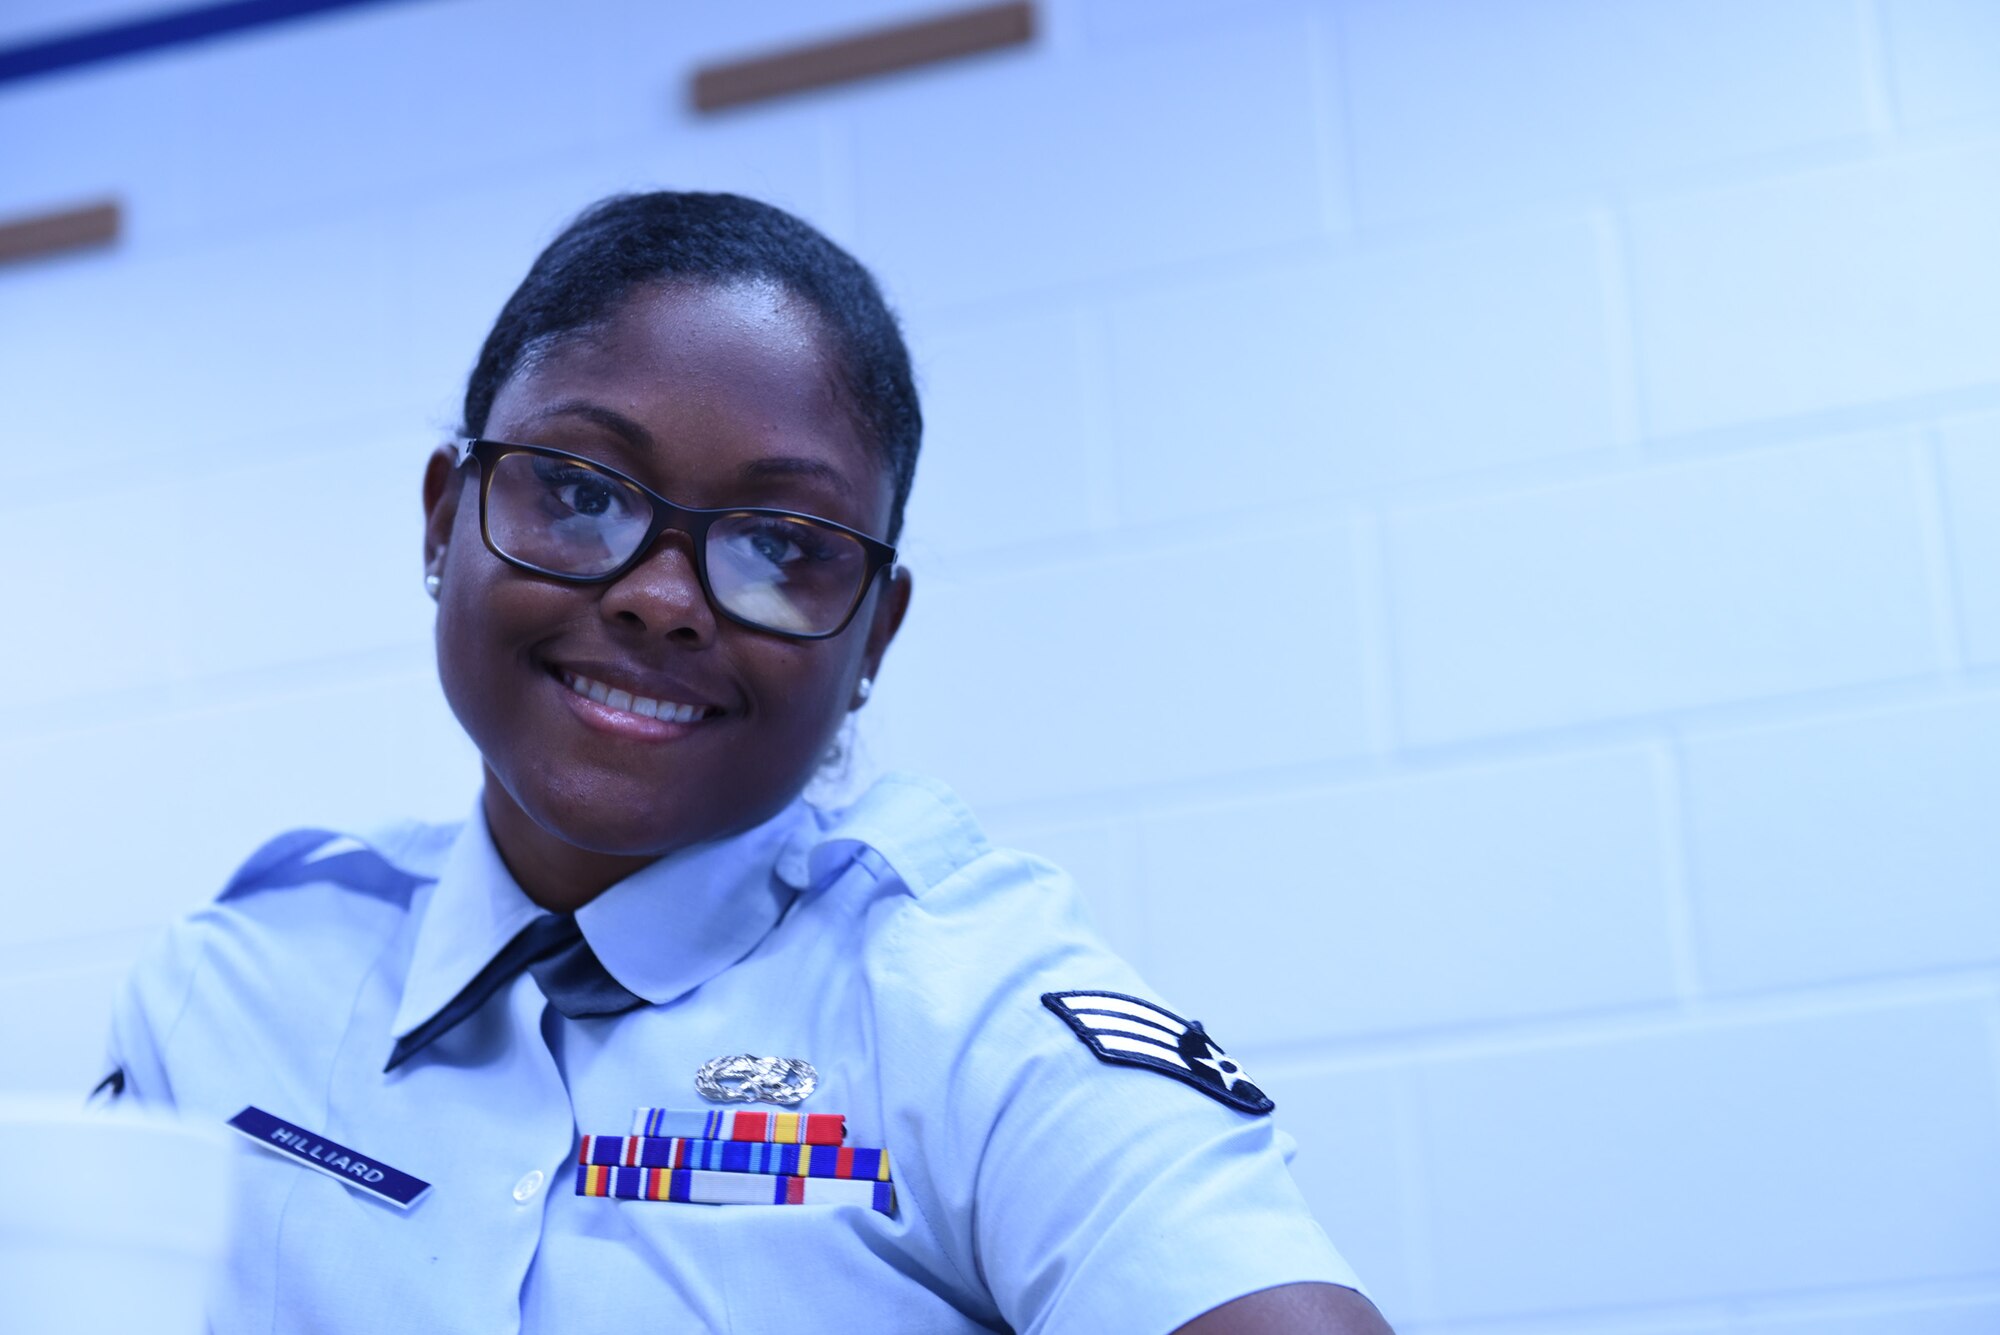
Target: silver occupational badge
[(745, 1079)]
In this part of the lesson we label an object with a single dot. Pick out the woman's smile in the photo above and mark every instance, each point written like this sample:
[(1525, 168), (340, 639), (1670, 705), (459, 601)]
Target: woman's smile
[(632, 701), (625, 713)]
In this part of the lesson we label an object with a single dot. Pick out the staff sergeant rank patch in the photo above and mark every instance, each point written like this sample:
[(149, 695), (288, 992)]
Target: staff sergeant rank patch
[(1131, 1032)]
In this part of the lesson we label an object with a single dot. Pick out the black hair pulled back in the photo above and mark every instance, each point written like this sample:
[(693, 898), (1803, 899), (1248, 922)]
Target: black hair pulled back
[(625, 242)]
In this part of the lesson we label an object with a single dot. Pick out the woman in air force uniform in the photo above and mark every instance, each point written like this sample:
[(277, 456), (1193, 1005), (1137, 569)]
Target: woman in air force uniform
[(649, 1040)]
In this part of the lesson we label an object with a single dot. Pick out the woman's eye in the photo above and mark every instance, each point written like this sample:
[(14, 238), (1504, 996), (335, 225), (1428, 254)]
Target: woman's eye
[(581, 492), (776, 548), (586, 498), (783, 544)]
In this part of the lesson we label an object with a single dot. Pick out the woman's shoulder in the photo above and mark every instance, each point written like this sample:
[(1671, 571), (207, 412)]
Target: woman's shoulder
[(987, 950), (920, 849), (323, 883), (277, 954), (959, 930), (308, 892), (384, 862)]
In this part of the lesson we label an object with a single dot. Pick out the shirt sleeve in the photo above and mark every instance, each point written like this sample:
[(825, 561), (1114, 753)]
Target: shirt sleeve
[(1086, 1195)]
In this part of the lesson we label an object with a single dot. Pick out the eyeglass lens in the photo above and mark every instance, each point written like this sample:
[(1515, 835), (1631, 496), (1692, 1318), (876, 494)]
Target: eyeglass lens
[(783, 573)]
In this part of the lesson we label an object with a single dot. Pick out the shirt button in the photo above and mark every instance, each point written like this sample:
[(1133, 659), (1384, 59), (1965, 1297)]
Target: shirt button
[(528, 1186)]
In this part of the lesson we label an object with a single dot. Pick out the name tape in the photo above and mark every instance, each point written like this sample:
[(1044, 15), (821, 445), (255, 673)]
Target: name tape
[(336, 1161)]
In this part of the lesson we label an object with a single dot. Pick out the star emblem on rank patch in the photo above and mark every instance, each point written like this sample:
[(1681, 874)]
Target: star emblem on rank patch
[(1126, 1031), (1226, 1070)]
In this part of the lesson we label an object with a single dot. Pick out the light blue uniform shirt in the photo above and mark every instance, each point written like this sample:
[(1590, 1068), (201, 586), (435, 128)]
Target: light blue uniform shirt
[(1037, 1187)]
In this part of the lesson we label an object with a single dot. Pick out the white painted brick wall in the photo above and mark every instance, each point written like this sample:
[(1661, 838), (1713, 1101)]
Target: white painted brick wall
[(1463, 107), (1017, 402), (1662, 588), (1834, 1150), (1972, 496), (1473, 529), (1081, 676), (1303, 374), (1789, 296), (1942, 55), (1846, 847), (1579, 836), (1063, 172)]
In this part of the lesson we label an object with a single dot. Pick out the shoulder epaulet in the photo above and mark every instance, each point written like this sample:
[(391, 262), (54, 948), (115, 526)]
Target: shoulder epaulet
[(300, 857), (917, 825)]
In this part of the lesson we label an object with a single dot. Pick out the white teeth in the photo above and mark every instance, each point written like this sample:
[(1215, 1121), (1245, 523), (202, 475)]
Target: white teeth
[(644, 706)]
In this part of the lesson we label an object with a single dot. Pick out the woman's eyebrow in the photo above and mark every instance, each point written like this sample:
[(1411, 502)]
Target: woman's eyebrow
[(610, 419), (641, 441), (787, 466)]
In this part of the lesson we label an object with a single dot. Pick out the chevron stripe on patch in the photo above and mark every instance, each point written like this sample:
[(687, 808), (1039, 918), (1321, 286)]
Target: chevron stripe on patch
[(1127, 1031)]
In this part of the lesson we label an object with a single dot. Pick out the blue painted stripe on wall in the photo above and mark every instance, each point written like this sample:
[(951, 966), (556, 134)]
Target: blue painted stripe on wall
[(93, 46)]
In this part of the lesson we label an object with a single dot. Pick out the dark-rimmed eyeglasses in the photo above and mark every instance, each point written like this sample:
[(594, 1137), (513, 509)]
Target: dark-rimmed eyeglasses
[(558, 514)]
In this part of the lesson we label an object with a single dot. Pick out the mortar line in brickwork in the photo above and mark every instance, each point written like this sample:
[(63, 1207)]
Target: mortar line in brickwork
[(1199, 535), (1140, 280), (1381, 704), (1878, 416), (1128, 860), (1878, 79), (1680, 1318), (1993, 1045), (1747, 440), (1621, 326), (1677, 856), (79, 952), (1417, 762), (180, 694), (1061, 31), (835, 135), (1890, 1298), (1420, 1260), (1090, 343), (1947, 598), (1751, 171), (1800, 1003), (1332, 147), (1706, 1316)]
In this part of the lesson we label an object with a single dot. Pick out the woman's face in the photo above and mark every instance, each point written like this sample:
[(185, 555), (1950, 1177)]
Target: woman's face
[(713, 396)]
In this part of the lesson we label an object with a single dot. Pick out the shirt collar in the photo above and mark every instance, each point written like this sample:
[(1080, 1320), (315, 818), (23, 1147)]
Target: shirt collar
[(661, 932)]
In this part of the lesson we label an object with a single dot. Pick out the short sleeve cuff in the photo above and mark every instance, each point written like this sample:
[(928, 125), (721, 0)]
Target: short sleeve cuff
[(1156, 1291)]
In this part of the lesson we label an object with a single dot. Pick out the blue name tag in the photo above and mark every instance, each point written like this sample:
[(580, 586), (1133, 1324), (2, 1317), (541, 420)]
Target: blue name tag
[(356, 1170)]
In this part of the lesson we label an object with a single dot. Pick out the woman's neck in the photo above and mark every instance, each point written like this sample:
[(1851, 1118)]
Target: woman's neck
[(556, 874)]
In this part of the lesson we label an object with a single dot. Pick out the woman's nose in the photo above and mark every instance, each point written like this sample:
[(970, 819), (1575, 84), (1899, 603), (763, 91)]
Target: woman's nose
[(662, 594)]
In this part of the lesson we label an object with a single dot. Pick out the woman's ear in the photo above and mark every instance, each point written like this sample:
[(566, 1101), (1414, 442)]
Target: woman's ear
[(441, 493), (882, 627)]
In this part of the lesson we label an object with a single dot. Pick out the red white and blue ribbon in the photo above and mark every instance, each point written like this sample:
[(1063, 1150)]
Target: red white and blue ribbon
[(789, 1128), (701, 1187), (736, 1156)]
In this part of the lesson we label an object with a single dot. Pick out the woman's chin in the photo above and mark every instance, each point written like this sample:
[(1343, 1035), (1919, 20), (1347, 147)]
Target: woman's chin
[(625, 819), (629, 827)]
